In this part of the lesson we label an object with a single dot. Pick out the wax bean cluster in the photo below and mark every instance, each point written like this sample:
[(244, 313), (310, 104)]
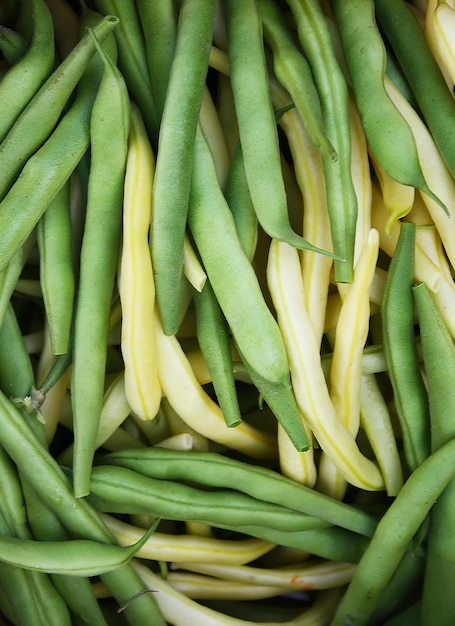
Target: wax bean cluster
[(227, 312)]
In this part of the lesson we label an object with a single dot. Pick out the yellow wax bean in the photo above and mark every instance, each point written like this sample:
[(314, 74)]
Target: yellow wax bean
[(136, 285), (310, 387), (196, 408)]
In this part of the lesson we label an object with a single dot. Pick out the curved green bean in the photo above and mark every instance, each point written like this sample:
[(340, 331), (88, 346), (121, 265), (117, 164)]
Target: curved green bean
[(237, 290), (26, 76), (13, 45)]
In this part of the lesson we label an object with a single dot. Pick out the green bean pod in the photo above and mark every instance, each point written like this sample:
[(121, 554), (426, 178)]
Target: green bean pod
[(438, 603), (238, 197), (256, 121), (388, 133), (133, 60), (56, 268), (434, 99), (16, 372), (99, 255), (237, 290), (294, 73), (13, 45), (24, 79), (397, 312), (116, 489), (159, 23), (46, 477), (39, 117), (216, 470), (393, 536), (175, 154), (18, 593), (315, 39), (214, 341)]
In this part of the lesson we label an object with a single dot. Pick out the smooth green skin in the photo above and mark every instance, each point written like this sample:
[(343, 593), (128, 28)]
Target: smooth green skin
[(118, 489), (216, 470), (316, 42), (236, 287), (109, 128), (38, 119), (17, 590), (214, 342), (22, 81), (238, 197), (438, 601), (294, 73), (133, 60), (256, 121), (393, 536), (45, 476), (78, 557), (434, 99), (397, 312), (159, 23), (16, 371), (174, 159), (10, 274), (388, 133), (57, 279)]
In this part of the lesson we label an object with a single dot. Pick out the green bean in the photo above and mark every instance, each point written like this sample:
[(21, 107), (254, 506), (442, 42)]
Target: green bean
[(13, 45), (16, 372), (238, 197), (159, 23), (175, 154), (133, 60), (16, 587), (11, 496), (39, 117), (78, 557), (76, 591), (394, 73), (315, 39), (45, 476), (388, 133), (393, 536), (238, 292), (216, 470), (256, 120), (56, 269), (214, 341), (294, 73), (434, 99), (407, 617), (116, 489), (10, 274), (99, 254), (24, 79), (438, 603), (397, 311)]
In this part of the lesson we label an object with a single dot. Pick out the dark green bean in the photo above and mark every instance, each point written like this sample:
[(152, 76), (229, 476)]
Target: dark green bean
[(116, 489), (216, 470), (174, 158), (39, 117), (215, 344), (16, 372), (56, 268), (397, 311), (394, 535), (316, 41), (422, 72), (23, 80), (13, 45), (237, 290), (17, 590), (256, 121), (99, 255), (438, 601)]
